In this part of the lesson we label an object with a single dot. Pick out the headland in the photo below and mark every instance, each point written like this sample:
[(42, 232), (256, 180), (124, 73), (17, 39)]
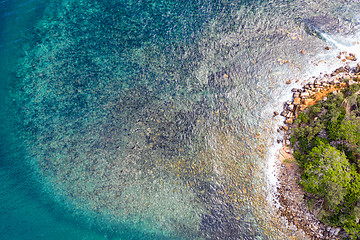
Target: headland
[(293, 200)]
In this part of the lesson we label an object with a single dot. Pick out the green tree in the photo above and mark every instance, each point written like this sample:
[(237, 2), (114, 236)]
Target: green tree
[(327, 169), (335, 118), (329, 176), (350, 130)]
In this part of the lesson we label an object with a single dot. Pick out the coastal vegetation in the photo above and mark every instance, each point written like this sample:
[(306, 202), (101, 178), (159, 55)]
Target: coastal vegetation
[(326, 142)]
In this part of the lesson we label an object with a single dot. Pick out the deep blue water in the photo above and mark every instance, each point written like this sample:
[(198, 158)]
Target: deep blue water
[(151, 119)]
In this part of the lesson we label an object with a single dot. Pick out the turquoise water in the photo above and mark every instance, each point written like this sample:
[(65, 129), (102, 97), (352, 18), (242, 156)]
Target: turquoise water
[(151, 119)]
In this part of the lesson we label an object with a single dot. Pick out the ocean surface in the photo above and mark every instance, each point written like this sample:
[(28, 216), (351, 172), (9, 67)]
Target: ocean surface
[(152, 119)]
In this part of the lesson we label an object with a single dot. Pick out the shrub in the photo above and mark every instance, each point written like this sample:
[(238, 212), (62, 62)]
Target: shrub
[(303, 117), (333, 124), (315, 109), (349, 130)]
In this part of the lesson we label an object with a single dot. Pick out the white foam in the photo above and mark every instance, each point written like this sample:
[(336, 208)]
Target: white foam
[(342, 43)]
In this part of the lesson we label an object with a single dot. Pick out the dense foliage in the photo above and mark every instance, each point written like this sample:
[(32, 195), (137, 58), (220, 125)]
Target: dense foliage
[(326, 139)]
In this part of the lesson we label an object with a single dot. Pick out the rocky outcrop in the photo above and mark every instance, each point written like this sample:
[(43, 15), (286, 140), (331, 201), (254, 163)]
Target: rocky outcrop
[(317, 90)]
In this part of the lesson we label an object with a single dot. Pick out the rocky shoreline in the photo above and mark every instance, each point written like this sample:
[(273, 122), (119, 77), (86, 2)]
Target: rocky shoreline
[(292, 199)]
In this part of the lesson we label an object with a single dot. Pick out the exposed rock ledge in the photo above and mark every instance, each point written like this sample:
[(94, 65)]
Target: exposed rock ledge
[(293, 206)]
